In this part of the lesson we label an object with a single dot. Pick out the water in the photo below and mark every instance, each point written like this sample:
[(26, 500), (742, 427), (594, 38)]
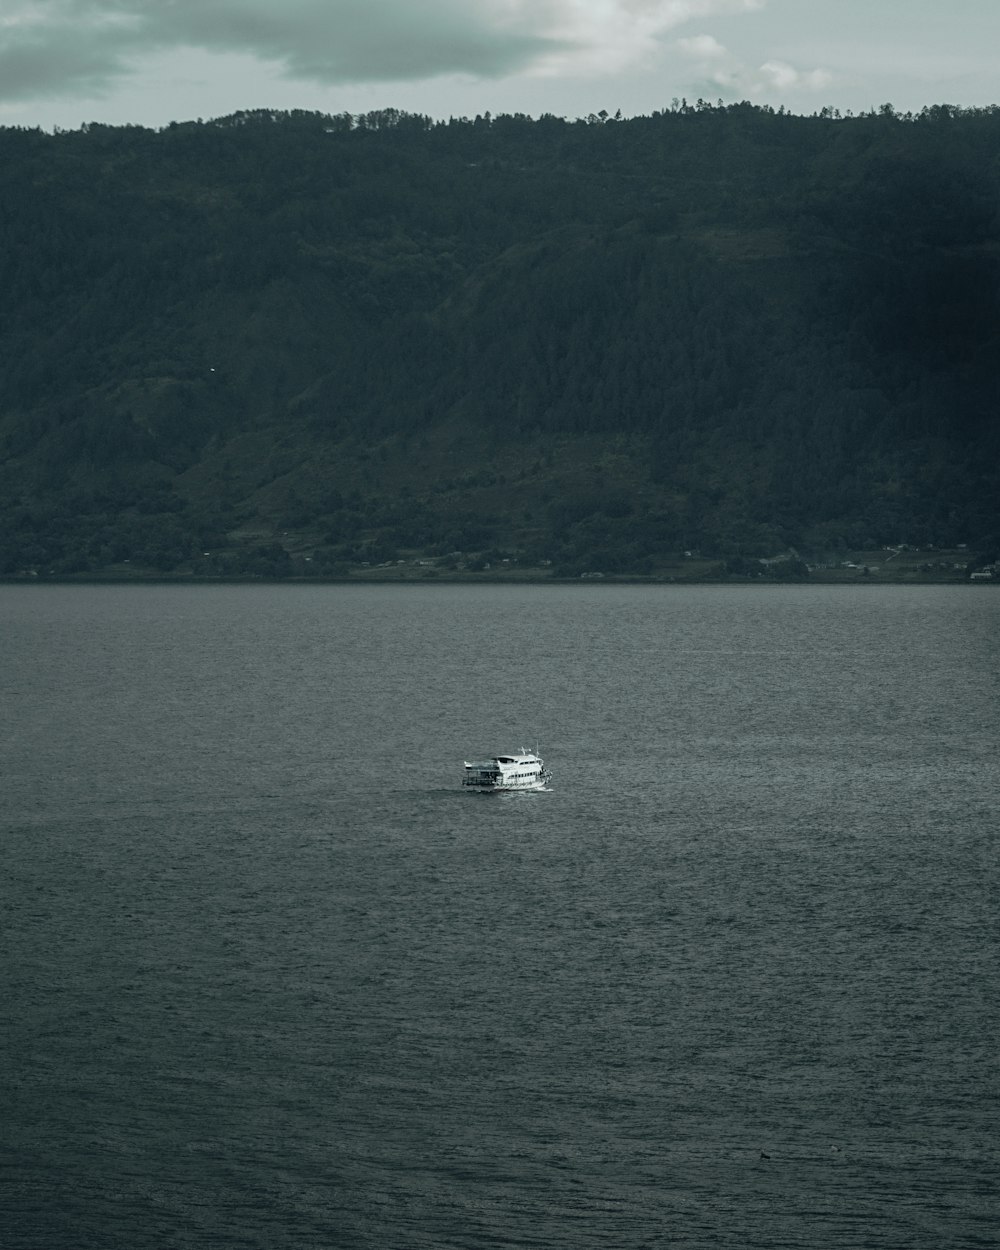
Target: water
[(271, 979)]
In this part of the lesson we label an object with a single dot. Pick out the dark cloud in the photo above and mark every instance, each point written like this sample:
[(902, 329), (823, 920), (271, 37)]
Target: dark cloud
[(354, 40), (41, 60), (77, 47)]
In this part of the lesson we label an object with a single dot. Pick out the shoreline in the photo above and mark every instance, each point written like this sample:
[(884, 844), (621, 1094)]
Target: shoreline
[(478, 579)]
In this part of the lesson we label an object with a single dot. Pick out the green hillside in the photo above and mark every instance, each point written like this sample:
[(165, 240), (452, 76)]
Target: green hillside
[(295, 344)]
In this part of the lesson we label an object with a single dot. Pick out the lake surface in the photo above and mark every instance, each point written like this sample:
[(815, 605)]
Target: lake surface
[(271, 979)]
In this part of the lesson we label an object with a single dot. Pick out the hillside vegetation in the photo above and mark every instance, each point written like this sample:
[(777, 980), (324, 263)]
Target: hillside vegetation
[(291, 343)]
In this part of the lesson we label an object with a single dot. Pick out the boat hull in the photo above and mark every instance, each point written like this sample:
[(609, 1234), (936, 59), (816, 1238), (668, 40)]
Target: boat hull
[(500, 788)]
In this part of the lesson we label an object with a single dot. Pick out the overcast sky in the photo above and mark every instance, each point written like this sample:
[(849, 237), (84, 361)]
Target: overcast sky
[(64, 62)]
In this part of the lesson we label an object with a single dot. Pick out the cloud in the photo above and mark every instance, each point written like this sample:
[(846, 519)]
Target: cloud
[(607, 36), (81, 47), (720, 69), (785, 77), (703, 47)]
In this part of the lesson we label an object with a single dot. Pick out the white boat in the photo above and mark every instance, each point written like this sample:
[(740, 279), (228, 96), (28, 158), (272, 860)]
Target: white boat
[(521, 770)]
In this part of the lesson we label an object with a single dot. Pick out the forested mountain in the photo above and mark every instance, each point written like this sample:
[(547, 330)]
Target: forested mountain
[(312, 344)]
